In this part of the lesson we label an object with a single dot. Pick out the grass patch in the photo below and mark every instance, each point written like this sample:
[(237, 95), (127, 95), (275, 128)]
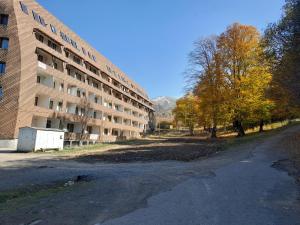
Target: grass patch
[(255, 135), (87, 147), (14, 199), (292, 146), (237, 141), (139, 141), (80, 149)]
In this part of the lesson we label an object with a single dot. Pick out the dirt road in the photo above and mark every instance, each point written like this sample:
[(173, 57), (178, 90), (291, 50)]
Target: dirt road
[(235, 187)]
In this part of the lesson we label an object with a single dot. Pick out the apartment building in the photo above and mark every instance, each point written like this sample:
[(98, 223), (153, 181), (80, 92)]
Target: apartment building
[(51, 78)]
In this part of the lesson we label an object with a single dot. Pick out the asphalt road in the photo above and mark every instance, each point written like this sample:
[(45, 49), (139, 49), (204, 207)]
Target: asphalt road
[(236, 187)]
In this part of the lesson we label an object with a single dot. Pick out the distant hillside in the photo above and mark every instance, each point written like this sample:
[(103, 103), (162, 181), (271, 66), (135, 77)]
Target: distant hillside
[(163, 107)]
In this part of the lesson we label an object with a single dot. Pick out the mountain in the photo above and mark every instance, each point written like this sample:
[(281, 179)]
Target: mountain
[(163, 107)]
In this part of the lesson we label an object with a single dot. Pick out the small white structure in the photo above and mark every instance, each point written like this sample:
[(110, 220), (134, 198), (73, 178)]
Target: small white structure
[(33, 138)]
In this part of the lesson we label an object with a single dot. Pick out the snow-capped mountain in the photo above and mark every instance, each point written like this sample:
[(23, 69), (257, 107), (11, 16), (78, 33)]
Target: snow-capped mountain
[(164, 105)]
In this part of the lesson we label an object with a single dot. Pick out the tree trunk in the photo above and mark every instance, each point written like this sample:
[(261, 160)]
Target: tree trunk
[(192, 131), (214, 132), (239, 128), (261, 126)]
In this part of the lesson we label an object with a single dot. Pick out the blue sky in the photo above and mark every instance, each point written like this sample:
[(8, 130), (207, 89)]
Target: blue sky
[(150, 39)]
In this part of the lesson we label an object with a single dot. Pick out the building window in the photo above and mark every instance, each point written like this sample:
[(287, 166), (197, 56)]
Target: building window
[(48, 125), (38, 79), (53, 29), (51, 104), (78, 76), (24, 8), (115, 133), (106, 132), (77, 60), (40, 58), (55, 65), (2, 67), (61, 125), (4, 43), (40, 38), (95, 85), (3, 19), (61, 87), (94, 58), (70, 127), (36, 101), (89, 129), (60, 105), (95, 115), (52, 45)]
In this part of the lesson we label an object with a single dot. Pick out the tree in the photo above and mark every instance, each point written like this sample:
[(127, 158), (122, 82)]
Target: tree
[(246, 72), (62, 119), (210, 83), (83, 116), (187, 112), (282, 44)]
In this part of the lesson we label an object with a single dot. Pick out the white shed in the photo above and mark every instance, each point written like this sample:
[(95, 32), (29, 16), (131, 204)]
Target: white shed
[(32, 139)]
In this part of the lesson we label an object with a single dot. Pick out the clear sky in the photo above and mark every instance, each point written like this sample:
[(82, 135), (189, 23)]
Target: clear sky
[(150, 39)]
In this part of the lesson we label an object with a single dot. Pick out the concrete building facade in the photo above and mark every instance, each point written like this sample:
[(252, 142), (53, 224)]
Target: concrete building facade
[(51, 78)]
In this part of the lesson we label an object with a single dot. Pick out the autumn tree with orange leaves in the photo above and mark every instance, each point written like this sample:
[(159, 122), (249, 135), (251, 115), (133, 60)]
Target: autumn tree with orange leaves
[(231, 77)]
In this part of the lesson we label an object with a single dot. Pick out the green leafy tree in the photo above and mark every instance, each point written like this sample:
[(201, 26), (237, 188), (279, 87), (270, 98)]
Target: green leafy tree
[(282, 45)]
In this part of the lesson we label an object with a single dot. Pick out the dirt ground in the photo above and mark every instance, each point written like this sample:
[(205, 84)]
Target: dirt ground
[(180, 149), (187, 182)]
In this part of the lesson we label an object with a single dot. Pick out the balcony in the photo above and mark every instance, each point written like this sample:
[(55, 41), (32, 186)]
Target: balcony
[(71, 108), (45, 59), (94, 83), (95, 114), (45, 80), (117, 120), (91, 68), (127, 111), (46, 102), (107, 117), (45, 39), (135, 124), (107, 104), (95, 98), (42, 65), (118, 108), (127, 122), (76, 92)]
